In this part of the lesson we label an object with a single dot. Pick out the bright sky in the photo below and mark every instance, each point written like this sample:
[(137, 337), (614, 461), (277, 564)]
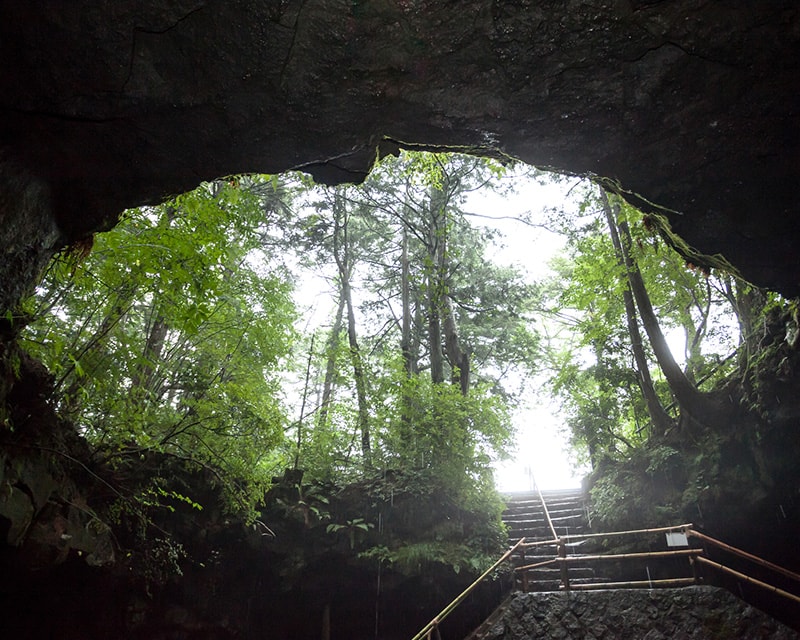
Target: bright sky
[(541, 446), (542, 452)]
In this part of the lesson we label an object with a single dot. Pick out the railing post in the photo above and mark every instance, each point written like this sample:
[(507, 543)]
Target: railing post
[(562, 553), (524, 573), (695, 571)]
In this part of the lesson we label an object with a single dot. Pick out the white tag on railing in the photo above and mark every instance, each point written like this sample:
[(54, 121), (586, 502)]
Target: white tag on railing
[(677, 539)]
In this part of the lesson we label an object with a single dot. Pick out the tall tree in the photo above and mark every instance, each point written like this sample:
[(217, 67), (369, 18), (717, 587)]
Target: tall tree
[(331, 356), (344, 257), (474, 311), (659, 417), (610, 377), (688, 397), (412, 280)]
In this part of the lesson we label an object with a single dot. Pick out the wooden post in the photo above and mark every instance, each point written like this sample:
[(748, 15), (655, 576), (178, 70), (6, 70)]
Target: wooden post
[(695, 571), (524, 573), (562, 553), (326, 622)]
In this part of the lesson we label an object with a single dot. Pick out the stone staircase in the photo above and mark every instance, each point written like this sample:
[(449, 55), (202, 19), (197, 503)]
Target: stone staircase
[(525, 517), (635, 613)]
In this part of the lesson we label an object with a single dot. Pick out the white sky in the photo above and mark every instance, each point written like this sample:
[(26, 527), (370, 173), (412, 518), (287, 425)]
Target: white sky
[(542, 451)]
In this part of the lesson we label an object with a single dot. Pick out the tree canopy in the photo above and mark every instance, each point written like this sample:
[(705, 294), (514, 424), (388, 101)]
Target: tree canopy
[(178, 334)]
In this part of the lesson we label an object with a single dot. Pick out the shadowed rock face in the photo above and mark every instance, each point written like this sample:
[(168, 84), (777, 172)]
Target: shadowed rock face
[(656, 614), (690, 108)]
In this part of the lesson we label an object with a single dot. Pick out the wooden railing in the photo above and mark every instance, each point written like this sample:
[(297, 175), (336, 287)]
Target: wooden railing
[(696, 557), (744, 555), (431, 630), (563, 560)]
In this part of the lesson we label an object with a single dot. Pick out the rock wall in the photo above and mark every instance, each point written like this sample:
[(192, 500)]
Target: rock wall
[(705, 613), (191, 575), (687, 108)]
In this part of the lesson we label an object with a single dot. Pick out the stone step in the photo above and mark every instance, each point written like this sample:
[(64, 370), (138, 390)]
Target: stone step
[(543, 524), (534, 497), (536, 535), (539, 513), (525, 517), (535, 504)]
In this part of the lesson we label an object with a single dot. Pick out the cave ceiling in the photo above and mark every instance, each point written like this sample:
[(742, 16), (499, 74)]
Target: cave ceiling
[(688, 108)]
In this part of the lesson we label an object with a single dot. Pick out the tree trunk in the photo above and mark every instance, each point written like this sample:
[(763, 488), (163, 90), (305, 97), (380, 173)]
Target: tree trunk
[(332, 349), (658, 416), (695, 334), (441, 314), (301, 419), (459, 359), (115, 314), (436, 250), (154, 346), (406, 340), (687, 396), (342, 255), (747, 302)]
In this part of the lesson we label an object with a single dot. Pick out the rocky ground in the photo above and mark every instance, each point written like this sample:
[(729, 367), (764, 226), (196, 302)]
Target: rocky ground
[(678, 614)]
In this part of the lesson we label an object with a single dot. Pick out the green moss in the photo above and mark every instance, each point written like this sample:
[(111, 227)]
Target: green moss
[(659, 223)]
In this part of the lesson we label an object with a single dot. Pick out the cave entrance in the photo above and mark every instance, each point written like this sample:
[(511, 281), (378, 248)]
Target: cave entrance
[(445, 313)]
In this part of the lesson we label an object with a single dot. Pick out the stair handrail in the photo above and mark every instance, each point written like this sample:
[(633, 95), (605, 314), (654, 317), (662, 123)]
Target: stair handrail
[(694, 555), (746, 556), (426, 631), (749, 579), (611, 534), (562, 559), (547, 514), (743, 554)]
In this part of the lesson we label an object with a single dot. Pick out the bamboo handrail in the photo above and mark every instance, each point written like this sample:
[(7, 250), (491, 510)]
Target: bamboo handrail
[(613, 556), (633, 583), (743, 554), (547, 514), (433, 624), (694, 555), (539, 543), (536, 565), (625, 556), (586, 536), (746, 578)]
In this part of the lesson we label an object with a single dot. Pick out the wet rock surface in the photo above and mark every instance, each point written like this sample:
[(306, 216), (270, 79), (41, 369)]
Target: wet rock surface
[(677, 614), (688, 109)]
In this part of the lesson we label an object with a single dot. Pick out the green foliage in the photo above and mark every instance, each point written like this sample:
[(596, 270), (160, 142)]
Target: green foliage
[(434, 430), (413, 206), (170, 341), (167, 336), (155, 496), (158, 563), (310, 505), (661, 458), (351, 528), (635, 493), (594, 370)]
